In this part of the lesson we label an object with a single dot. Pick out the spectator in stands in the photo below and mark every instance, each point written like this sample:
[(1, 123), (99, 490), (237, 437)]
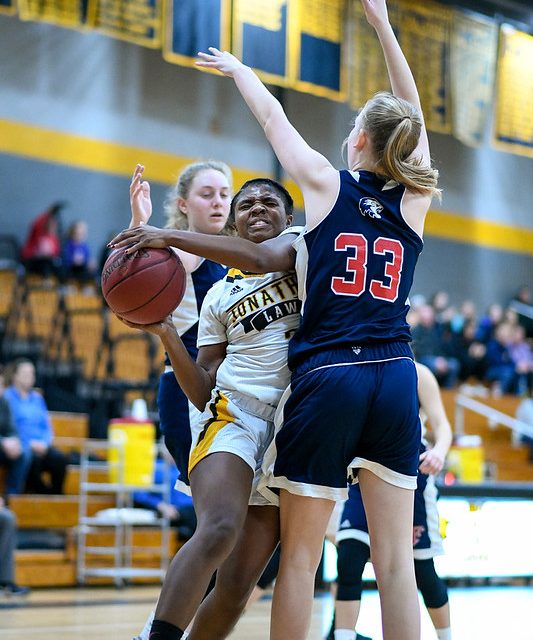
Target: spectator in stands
[(78, 263), (41, 253), (179, 510), (34, 428), (12, 454), (430, 349), (488, 323), (440, 301), (522, 304), (500, 366), (522, 357), (8, 544), (471, 353)]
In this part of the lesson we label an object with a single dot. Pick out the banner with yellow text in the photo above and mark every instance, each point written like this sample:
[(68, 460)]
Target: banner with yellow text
[(473, 51), (261, 37), (195, 25), (513, 126), (137, 21), (317, 37), (64, 13)]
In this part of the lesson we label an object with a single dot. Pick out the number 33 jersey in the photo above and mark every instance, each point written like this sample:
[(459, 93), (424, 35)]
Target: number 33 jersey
[(355, 269)]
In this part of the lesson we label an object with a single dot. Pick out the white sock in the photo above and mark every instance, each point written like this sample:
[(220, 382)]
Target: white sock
[(444, 634), (344, 634)]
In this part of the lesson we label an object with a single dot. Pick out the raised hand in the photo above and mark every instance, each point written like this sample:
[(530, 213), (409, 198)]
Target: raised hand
[(140, 201), (222, 61), (139, 238), (375, 11)]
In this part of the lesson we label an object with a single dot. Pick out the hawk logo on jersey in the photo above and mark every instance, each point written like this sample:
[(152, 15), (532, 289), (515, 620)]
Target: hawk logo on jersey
[(370, 207), (235, 290)]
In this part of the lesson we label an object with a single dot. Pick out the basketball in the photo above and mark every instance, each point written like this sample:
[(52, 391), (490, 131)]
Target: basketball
[(145, 286)]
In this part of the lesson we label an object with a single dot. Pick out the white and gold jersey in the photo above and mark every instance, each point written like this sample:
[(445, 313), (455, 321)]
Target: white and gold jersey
[(255, 314)]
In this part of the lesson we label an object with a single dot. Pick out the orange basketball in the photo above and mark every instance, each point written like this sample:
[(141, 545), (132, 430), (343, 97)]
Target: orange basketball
[(145, 286)]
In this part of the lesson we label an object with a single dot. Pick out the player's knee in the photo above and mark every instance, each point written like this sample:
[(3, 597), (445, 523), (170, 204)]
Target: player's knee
[(432, 587), (219, 533), (352, 555)]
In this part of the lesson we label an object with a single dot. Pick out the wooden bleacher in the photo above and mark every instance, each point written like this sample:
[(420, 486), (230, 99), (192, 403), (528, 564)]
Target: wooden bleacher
[(510, 461)]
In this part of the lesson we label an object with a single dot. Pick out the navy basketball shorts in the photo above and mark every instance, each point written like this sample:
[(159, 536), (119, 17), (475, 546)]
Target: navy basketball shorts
[(173, 406), (347, 409), (427, 541)]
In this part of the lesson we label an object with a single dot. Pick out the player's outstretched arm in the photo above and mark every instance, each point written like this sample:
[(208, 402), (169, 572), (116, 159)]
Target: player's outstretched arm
[(196, 379), (276, 254), (400, 75), (308, 168), (432, 460)]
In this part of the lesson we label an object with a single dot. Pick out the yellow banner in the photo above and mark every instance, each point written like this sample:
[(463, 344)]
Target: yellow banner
[(473, 51), (317, 42), (137, 21), (194, 25), (514, 95), (8, 7), (423, 32), (65, 13)]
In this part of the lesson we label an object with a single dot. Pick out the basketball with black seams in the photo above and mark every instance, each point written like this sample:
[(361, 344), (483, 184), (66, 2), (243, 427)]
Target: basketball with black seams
[(145, 286)]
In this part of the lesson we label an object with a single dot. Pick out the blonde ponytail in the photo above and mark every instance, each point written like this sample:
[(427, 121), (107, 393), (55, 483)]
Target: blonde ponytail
[(394, 126)]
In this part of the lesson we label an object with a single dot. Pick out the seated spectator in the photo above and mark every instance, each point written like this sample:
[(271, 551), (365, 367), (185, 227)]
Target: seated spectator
[(430, 348), (500, 366), (8, 544), (77, 261), (522, 356), (13, 456), (471, 353), (487, 324), (34, 429), (522, 304), (179, 510), (41, 253)]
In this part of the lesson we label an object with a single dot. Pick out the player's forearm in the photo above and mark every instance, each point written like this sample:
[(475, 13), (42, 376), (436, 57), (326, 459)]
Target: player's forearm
[(193, 379), (443, 437), (235, 252), (258, 98), (401, 78)]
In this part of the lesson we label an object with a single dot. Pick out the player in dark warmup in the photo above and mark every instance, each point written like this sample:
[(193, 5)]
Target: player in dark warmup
[(353, 405), (353, 541), (199, 201)]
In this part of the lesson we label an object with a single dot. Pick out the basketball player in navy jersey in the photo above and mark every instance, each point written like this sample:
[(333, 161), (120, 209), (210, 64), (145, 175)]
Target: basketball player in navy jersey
[(352, 407), (199, 201), (352, 537)]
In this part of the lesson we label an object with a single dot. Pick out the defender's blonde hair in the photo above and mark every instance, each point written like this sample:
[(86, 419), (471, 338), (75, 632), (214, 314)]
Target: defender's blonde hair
[(176, 219), (393, 126)]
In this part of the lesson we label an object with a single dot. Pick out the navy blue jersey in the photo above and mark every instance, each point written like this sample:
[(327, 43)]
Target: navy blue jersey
[(355, 269), (187, 315)]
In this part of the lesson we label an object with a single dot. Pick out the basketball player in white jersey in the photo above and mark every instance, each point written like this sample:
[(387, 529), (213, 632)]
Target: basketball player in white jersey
[(237, 380)]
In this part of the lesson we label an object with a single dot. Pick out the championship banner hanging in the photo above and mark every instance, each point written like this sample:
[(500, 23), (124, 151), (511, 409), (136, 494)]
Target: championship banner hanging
[(423, 31), (473, 50), (260, 37), (195, 25), (137, 21), (316, 37), (513, 129), (8, 7), (64, 13)]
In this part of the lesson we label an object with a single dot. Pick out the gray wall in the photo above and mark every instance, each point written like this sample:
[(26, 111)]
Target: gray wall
[(91, 85)]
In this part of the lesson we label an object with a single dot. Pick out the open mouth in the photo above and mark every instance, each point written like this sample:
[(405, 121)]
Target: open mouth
[(259, 224)]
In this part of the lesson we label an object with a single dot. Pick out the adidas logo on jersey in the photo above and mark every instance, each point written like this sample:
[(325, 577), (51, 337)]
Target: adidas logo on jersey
[(235, 290), (345, 524), (356, 350)]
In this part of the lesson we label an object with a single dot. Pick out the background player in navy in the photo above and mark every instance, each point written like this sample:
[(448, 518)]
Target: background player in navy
[(353, 403), (199, 201), (240, 373), (352, 537)]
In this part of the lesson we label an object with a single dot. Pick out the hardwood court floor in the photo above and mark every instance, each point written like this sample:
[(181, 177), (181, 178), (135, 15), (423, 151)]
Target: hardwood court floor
[(483, 613)]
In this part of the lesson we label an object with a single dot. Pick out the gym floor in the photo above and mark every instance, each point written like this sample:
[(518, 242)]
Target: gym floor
[(478, 613)]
